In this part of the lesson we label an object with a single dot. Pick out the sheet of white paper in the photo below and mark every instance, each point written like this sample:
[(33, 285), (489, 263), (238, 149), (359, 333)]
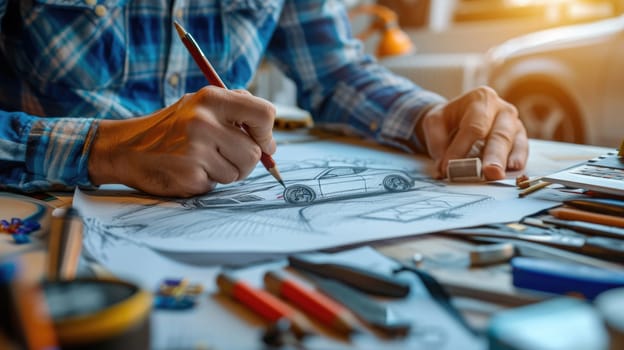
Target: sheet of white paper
[(337, 194), (215, 318)]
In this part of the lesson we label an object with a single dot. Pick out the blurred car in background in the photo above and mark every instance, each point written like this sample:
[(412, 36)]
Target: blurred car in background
[(567, 82)]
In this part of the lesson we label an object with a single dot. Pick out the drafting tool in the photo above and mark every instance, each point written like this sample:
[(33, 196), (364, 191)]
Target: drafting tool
[(214, 79), (533, 188), (317, 305), (488, 254), (536, 250), (523, 178), (602, 247), (584, 227), (464, 170), (563, 278), (64, 244), (602, 174), (262, 302), (365, 280), (369, 310), (567, 213), (526, 182), (436, 291), (598, 205)]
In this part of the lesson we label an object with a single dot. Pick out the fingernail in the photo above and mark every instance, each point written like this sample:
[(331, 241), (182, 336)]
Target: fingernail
[(493, 171)]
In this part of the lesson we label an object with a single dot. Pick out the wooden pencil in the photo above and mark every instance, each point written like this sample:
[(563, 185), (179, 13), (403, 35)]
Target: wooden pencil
[(533, 188)]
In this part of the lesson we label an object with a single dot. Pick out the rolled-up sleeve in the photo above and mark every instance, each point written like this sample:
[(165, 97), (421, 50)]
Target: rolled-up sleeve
[(342, 87), (44, 153)]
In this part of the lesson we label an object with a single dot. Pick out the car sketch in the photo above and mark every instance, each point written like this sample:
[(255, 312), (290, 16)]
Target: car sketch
[(566, 82), (304, 186)]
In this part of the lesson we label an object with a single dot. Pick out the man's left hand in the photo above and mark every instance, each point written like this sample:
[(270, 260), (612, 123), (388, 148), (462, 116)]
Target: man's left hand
[(450, 130)]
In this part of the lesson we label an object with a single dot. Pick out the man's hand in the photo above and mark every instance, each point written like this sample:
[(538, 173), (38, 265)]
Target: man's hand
[(480, 116), (187, 148)]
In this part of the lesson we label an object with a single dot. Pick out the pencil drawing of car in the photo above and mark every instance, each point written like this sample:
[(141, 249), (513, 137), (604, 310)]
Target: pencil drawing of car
[(304, 186), (340, 181)]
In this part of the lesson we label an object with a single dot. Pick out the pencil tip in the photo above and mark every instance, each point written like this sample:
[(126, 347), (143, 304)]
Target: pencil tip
[(179, 29), (282, 183)]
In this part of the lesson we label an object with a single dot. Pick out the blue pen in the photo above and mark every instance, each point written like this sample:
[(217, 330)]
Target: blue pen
[(564, 278)]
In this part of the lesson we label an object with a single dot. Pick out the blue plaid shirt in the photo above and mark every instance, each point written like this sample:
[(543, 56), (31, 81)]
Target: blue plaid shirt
[(65, 64)]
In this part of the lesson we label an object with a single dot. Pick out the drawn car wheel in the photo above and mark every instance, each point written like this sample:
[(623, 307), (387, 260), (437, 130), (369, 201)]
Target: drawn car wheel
[(547, 112), (299, 194), (396, 183)]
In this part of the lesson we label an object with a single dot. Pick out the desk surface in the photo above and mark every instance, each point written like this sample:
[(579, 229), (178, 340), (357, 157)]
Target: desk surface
[(545, 157)]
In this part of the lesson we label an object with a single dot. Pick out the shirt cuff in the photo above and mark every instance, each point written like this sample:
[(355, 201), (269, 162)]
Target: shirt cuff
[(58, 150), (398, 128)]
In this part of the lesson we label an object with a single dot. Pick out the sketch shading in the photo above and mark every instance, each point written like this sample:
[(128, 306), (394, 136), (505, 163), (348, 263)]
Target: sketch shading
[(336, 194), (308, 185)]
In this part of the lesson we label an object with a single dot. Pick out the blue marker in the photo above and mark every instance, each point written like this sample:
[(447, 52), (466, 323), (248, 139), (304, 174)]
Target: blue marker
[(564, 278)]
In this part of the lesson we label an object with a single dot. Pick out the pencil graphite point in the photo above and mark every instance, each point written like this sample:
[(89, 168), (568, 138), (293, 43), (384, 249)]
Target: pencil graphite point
[(179, 29)]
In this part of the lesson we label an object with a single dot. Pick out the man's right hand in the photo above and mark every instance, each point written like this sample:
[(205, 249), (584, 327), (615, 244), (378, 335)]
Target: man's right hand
[(187, 148)]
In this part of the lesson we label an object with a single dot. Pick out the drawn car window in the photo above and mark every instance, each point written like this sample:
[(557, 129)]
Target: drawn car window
[(338, 172)]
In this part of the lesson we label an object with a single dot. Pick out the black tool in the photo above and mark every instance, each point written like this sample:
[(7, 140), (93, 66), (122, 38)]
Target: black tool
[(602, 247), (606, 206), (365, 280), (589, 228), (437, 292), (371, 311)]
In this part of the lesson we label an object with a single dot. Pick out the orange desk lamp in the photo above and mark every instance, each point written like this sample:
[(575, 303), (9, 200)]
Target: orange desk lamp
[(393, 40)]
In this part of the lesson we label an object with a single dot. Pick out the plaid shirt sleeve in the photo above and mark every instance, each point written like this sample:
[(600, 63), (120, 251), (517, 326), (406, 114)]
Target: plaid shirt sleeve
[(44, 153), (342, 87)]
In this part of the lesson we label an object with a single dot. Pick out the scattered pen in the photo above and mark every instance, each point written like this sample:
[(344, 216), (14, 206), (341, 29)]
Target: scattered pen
[(587, 227), (366, 280), (214, 79), (533, 188), (529, 182), (262, 303), (373, 312), (606, 206), (566, 213), (317, 305)]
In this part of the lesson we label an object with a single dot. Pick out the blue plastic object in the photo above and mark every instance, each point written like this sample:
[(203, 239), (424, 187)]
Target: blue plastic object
[(164, 302), (564, 278)]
